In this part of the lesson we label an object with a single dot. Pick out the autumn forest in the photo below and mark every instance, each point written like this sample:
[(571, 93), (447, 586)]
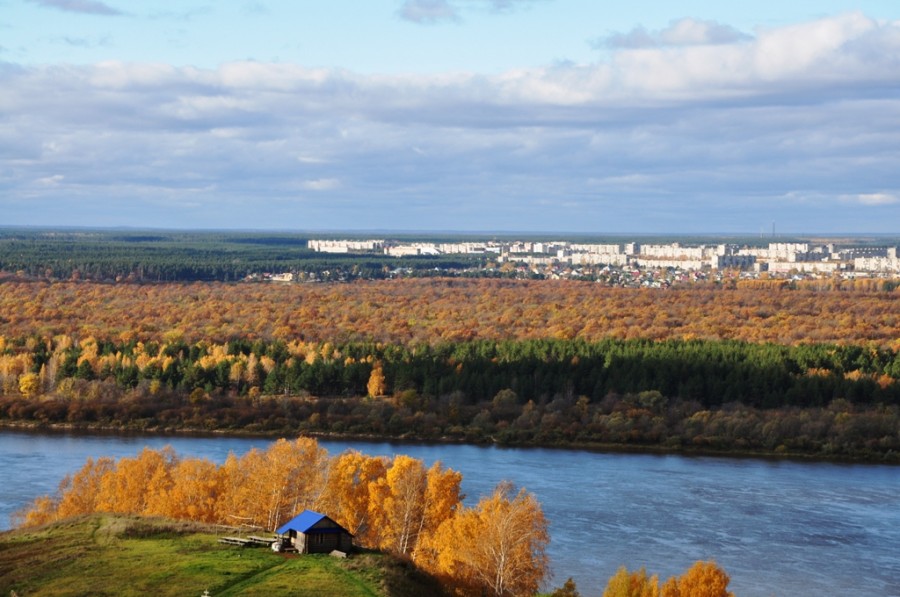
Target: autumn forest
[(755, 368)]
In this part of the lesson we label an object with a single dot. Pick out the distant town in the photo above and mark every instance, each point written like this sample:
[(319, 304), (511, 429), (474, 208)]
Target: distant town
[(651, 264), (161, 256)]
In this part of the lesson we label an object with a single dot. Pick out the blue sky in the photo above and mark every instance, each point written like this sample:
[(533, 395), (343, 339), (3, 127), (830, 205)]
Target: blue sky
[(472, 115)]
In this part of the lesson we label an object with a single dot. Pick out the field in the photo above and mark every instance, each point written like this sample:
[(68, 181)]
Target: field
[(120, 555)]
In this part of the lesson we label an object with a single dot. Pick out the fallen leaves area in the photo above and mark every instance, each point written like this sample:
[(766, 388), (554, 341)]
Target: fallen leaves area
[(444, 310)]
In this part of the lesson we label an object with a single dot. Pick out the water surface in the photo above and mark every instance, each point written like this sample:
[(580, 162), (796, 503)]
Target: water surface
[(777, 527)]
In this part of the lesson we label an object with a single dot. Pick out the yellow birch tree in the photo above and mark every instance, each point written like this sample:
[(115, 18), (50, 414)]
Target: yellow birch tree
[(81, 491), (192, 494), (347, 497), (377, 385), (703, 579), (135, 481), (499, 546), (442, 499), (632, 584), (398, 505)]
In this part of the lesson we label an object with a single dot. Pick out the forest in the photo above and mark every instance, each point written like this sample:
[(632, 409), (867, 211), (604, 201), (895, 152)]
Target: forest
[(167, 256), (753, 369), (410, 311), (823, 400)]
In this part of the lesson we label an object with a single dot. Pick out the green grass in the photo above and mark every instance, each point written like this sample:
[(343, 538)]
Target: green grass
[(119, 555)]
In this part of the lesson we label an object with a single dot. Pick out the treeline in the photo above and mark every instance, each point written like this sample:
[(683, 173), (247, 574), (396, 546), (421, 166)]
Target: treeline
[(191, 257), (632, 421), (711, 373), (703, 579), (411, 311), (496, 547), (827, 400)]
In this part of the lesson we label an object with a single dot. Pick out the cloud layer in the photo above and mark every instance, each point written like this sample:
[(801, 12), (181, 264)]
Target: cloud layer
[(81, 6), (684, 32), (703, 129), (426, 12)]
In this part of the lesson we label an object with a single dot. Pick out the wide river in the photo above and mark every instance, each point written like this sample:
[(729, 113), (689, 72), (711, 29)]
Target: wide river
[(777, 527)]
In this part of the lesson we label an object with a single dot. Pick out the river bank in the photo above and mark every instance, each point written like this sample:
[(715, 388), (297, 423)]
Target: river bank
[(413, 439)]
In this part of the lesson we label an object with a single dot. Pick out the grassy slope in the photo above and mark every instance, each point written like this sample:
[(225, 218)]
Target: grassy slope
[(118, 555)]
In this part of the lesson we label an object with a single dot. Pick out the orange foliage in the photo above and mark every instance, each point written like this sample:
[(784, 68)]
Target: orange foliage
[(134, 483), (632, 584), (376, 386), (43, 510), (703, 579), (442, 499), (398, 506), (428, 310), (192, 494), (268, 488), (498, 546), (347, 495), (81, 491)]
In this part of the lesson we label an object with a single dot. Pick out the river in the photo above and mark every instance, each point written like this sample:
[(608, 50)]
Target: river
[(777, 527)]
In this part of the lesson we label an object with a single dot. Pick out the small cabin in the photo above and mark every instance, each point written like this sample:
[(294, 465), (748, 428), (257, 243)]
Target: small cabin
[(311, 532)]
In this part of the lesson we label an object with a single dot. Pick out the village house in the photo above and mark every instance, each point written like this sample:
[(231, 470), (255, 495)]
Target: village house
[(312, 532)]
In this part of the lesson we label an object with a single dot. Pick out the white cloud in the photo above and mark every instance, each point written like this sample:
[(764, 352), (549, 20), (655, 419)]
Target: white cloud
[(307, 159), (442, 11), (719, 134), (683, 32), (54, 180), (692, 32), (850, 49), (848, 54), (428, 11), (827, 44), (321, 184), (874, 198), (119, 75)]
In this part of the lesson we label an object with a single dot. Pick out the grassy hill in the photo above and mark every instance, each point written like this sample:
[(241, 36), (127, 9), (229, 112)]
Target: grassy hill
[(125, 555)]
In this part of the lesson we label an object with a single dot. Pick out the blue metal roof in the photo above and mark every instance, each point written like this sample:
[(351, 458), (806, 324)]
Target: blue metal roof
[(301, 523)]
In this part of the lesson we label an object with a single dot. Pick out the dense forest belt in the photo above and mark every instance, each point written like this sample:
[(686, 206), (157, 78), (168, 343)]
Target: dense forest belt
[(634, 422), (191, 256), (711, 395), (758, 368), (443, 310)]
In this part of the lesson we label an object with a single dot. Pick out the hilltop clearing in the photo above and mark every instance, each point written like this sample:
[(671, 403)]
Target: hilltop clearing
[(105, 554)]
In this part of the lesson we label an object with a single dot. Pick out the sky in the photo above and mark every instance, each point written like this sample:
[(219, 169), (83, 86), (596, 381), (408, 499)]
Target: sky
[(580, 116)]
